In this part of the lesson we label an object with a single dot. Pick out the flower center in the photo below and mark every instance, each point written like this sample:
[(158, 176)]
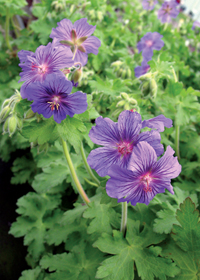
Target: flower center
[(149, 43), (146, 179), (54, 103), (41, 68), (167, 9), (124, 148), (151, 2)]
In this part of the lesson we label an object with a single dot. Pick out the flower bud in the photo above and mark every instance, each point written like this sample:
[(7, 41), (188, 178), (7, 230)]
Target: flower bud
[(123, 75), (133, 101), (126, 106), (19, 123), (99, 15), (76, 77), (4, 113), (6, 102), (12, 124), (5, 127), (29, 114), (154, 87), (121, 103), (129, 74), (124, 95)]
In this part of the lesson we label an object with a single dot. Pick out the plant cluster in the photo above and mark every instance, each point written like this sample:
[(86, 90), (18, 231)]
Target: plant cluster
[(77, 223)]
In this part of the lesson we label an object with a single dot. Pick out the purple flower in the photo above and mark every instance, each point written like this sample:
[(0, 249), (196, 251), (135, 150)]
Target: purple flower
[(145, 176), (195, 24), (149, 4), (52, 98), (141, 70), (46, 60), (77, 38), (119, 140), (149, 42), (168, 11), (158, 123)]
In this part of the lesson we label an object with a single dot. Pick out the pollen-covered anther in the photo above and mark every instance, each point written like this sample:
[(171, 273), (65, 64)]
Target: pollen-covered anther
[(124, 148), (54, 103)]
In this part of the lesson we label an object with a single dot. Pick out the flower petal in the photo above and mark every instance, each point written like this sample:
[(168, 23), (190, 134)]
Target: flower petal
[(129, 125), (105, 132), (75, 103), (158, 123), (63, 30), (92, 44), (83, 28), (142, 159), (167, 166), (101, 159)]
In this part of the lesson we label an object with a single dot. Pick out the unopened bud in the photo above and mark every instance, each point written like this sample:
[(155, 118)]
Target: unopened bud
[(117, 63), (124, 95), (126, 106), (29, 114), (129, 74), (119, 72), (4, 113), (5, 127), (133, 101), (12, 124), (99, 15), (6, 102), (76, 76), (123, 74), (19, 123), (154, 87), (121, 103)]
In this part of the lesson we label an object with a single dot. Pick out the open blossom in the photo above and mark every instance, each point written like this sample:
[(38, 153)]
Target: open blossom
[(46, 60), (141, 70), (52, 98), (77, 37), (149, 4), (119, 140), (149, 42), (168, 11), (145, 176)]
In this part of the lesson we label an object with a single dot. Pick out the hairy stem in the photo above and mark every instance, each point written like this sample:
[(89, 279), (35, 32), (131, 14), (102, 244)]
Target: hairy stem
[(73, 174), (177, 132), (7, 27), (89, 170), (124, 218)]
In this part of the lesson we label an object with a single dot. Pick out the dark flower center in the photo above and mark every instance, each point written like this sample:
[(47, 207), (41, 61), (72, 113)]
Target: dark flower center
[(54, 104), (124, 148)]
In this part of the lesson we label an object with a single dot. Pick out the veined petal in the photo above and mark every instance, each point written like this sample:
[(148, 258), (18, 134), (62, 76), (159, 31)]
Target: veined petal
[(81, 57), (158, 123), (101, 159), (167, 166), (142, 159), (75, 103), (153, 138), (105, 132), (63, 30), (83, 28), (91, 44), (129, 125)]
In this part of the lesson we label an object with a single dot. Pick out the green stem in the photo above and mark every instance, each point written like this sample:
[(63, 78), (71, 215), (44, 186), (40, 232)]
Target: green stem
[(174, 74), (177, 132), (7, 27), (73, 173), (89, 170), (124, 218)]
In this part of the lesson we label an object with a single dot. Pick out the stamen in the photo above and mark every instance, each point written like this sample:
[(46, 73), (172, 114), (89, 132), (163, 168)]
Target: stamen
[(124, 148), (146, 181), (54, 103)]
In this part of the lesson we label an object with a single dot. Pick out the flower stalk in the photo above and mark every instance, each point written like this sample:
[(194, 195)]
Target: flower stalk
[(89, 170), (7, 28), (177, 132), (124, 218), (73, 174)]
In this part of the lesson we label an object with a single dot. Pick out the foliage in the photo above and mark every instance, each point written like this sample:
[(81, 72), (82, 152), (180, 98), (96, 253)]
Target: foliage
[(65, 238)]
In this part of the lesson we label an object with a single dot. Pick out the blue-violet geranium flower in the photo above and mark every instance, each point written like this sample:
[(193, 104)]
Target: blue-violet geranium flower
[(149, 42), (141, 70), (77, 37), (145, 176), (149, 4), (52, 98), (119, 140), (168, 11)]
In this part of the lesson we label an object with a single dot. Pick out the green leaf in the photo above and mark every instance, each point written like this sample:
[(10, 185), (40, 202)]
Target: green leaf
[(71, 129), (32, 274), (103, 217), (185, 249), (174, 89), (132, 250), (23, 170), (80, 264), (42, 131)]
